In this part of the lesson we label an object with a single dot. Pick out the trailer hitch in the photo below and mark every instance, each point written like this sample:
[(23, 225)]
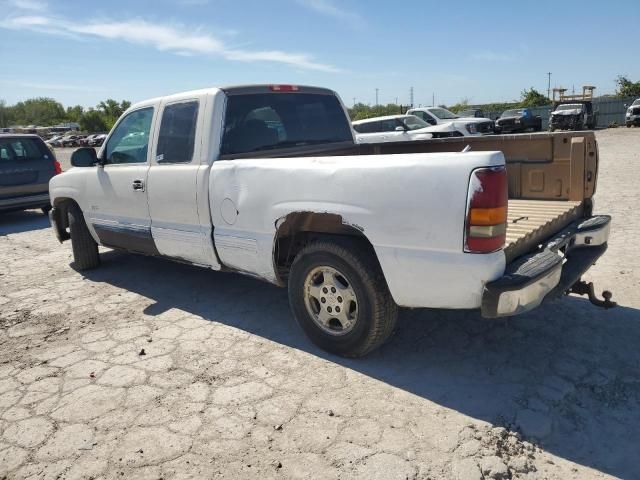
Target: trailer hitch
[(583, 288)]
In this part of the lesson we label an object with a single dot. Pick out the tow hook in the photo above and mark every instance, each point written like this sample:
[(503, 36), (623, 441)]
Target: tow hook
[(583, 288)]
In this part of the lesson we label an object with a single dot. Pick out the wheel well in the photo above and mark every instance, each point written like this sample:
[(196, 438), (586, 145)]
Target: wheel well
[(299, 229), (62, 204)]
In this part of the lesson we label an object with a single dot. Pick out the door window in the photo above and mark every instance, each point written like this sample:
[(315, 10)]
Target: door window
[(177, 133), (130, 140)]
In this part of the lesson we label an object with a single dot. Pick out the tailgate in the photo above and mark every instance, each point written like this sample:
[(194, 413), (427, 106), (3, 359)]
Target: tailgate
[(530, 222)]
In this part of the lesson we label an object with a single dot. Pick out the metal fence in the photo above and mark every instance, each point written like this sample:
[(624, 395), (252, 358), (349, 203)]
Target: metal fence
[(609, 110)]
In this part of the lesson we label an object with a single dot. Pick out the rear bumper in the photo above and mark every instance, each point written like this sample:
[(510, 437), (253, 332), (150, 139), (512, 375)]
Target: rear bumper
[(545, 275), (28, 201)]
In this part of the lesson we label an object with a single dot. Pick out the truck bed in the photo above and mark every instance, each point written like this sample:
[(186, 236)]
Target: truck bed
[(529, 222)]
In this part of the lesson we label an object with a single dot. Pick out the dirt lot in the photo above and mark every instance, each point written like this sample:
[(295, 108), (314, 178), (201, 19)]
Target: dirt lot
[(150, 369)]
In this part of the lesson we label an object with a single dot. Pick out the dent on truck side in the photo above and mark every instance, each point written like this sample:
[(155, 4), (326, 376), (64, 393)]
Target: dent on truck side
[(409, 208)]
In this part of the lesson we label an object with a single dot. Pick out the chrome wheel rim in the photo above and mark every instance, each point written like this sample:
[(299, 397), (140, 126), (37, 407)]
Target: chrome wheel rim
[(331, 300)]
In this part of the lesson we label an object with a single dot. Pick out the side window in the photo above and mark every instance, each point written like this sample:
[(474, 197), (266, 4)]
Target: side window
[(130, 140), (177, 133), (367, 127), (388, 125), (423, 116)]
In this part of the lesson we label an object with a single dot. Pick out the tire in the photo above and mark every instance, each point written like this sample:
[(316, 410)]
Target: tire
[(375, 313), (85, 249)]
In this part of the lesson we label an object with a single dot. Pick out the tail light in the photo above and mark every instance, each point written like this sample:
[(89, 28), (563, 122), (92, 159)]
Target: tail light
[(486, 210), (56, 167)]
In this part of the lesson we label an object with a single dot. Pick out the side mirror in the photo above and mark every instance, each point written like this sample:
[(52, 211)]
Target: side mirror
[(400, 129), (84, 157)]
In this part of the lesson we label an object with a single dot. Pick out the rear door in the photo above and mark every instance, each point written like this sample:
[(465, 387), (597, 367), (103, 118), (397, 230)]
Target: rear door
[(26, 166), (179, 228)]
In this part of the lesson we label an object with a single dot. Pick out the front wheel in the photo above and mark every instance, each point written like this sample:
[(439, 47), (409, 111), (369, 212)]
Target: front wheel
[(339, 296), (85, 249)]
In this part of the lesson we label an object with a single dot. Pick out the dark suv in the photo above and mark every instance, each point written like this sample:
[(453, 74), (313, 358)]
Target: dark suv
[(518, 120), (26, 166)]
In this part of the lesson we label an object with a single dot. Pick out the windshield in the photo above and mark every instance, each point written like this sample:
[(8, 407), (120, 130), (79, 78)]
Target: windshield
[(570, 106), (267, 121), (443, 113), (636, 102), (414, 123), (511, 113)]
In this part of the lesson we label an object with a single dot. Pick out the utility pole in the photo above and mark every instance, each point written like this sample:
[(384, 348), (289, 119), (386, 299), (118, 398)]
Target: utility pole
[(354, 101), (396, 100), (411, 97), (377, 97), (433, 99), (549, 85)]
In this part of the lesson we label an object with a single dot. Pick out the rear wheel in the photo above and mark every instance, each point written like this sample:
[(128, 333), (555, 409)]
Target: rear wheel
[(340, 298), (85, 249)]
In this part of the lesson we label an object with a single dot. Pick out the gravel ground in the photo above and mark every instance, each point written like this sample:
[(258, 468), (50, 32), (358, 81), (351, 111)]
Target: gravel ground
[(149, 369)]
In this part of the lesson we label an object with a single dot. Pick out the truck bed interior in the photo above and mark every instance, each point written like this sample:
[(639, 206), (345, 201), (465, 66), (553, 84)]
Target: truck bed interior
[(552, 177)]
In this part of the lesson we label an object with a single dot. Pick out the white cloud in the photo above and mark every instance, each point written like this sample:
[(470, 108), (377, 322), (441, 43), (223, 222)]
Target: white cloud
[(327, 7), (175, 39), (489, 56), (50, 86), (38, 5)]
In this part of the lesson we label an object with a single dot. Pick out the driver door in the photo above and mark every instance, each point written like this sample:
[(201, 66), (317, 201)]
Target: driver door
[(116, 194)]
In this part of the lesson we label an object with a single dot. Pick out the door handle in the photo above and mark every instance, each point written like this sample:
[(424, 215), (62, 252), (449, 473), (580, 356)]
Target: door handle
[(138, 185)]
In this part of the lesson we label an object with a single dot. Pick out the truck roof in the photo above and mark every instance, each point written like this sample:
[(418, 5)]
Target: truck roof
[(377, 119), (238, 90)]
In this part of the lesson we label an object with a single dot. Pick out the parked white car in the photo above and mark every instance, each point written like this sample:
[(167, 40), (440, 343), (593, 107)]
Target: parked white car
[(266, 180), (399, 128), (464, 125), (632, 116)]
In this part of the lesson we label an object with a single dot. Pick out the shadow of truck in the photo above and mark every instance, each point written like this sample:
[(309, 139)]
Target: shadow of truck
[(566, 375)]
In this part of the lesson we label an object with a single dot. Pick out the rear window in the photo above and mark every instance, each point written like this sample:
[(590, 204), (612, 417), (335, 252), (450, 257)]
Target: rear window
[(267, 121), (22, 149)]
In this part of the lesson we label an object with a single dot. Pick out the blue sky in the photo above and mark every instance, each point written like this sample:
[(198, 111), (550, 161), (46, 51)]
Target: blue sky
[(81, 52)]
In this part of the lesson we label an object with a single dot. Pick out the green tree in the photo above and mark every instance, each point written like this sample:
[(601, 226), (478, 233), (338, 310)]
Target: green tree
[(627, 88), (461, 105), (38, 111), (6, 114), (92, 121), (533, 98), (360, 111), (74, 113), (111, 110)]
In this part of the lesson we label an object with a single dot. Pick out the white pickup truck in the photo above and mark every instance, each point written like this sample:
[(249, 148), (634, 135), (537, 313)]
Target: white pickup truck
[(267, 181), (399, 128), (467, 126)]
